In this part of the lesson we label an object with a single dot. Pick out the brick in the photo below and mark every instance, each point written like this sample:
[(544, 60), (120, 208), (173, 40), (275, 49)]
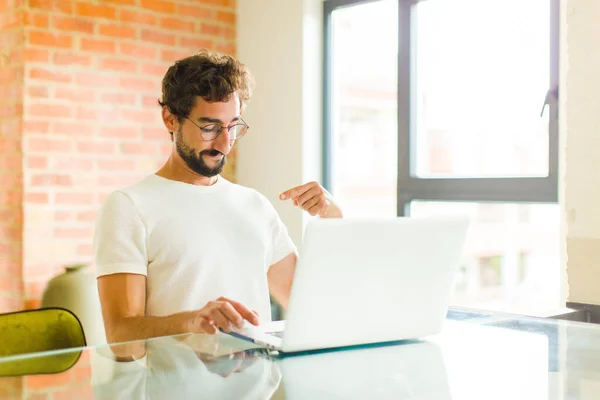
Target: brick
[(116, 64), (10, 20), (10, 198), (9, 304), (86, 215), (122, 2), (143, 18), (218, 31), (50, 39), (96, 147), (64, 216), (75, 95), (72, 233), (86, 9), (84, 250), (34, 162), (196, 12), (9, 75), (61, 6), (96, 80), (37, 144), (176, 24), (195, 43), (94, 113), (11, 126), (119, 98), (149, 101), (33, 126), (7, 146), (10, 162), (36, 55), (72, 163), (226, 48), (36, 19), (138, 148), (51, 180), (161, 6), (33, 304), (34, 289), (9, 284), (222, 3), (72, 24), (119, 31), (120, 132), (50, 110), (71, 128), (72, 59), (74, 198), (136, 50), (140, 84), (98, 45), (227, 17), (116, 164), (47, 75), (38, 91), (118, 180), (153, 36), (140, 116), (11, 111), (81, 392), (174, 55)]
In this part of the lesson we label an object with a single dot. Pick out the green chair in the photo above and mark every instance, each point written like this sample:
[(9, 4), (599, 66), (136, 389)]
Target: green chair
[(24, 333)]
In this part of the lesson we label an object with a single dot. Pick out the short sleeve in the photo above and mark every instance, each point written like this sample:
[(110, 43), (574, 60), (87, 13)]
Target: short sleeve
[(120, 237), (282, 243)]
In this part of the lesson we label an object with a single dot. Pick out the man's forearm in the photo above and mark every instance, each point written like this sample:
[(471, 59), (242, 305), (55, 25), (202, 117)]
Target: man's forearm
[(128, 329), (127, 334)]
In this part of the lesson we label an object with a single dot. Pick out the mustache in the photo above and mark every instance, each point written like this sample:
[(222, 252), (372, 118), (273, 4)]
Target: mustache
[(210, 152)]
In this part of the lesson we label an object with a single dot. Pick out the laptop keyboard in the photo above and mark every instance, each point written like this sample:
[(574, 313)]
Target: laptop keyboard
[(277, 334)]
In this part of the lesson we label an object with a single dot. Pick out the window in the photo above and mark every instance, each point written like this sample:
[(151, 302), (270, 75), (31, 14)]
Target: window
[(450, 107)]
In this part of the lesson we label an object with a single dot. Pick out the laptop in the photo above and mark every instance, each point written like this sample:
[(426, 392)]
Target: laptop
[(367, 281)]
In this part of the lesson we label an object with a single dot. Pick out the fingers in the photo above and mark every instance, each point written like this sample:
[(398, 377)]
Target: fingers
[(315, 210), (207, 327), (223, 320), (243, 311), (310, 194), (297, 191)]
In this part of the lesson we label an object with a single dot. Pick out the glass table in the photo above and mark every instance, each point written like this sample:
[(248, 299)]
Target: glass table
[(478, 355)]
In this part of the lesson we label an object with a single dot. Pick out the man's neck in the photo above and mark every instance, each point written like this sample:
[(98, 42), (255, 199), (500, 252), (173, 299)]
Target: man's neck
[(175, 171)]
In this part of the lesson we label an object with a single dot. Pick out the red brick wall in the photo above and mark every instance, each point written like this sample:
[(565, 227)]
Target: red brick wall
[(11, 171), (91, 123)]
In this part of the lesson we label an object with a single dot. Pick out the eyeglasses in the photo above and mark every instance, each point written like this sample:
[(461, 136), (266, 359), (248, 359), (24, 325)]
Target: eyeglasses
[(211, 131)]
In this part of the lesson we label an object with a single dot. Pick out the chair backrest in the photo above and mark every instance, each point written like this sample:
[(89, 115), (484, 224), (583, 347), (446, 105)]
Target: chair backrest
[(35, 331)]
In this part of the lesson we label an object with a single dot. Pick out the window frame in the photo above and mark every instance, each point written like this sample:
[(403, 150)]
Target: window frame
[(410, 187)]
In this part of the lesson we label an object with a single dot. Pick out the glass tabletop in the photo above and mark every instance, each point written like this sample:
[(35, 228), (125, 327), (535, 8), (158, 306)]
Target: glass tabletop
[(478, 355)]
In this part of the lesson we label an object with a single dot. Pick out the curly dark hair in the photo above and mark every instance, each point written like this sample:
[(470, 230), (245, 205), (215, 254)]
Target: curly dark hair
[(210, 75)]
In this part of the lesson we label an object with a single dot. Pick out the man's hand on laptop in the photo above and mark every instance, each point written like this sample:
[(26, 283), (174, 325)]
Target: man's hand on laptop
[(314, 199), (223, 313)]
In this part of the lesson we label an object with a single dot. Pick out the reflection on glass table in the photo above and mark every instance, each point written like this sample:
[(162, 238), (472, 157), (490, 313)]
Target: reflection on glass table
[(479, 355)]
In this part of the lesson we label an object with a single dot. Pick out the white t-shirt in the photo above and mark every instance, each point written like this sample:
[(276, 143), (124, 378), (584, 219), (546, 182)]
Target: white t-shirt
[(194, 243)]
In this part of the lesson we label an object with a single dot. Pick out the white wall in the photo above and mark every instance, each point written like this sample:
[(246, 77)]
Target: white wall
[(581, 131), (280, 41)]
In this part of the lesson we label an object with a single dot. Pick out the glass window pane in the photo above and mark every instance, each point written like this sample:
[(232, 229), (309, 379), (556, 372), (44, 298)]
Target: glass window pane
[(482, 72), (363, 156), (511, 257)]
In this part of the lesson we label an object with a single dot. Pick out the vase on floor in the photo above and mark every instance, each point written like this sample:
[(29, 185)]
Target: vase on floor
[(76, 290)]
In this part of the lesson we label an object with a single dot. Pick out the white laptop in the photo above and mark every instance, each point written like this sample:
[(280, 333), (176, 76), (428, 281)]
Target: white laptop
[(367, 281)]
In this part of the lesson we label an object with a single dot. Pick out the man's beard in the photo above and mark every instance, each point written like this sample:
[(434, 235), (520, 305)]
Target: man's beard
[(196, 162)]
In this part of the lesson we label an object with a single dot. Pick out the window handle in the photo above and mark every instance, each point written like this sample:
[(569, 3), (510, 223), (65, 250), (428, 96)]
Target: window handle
[(551, 97)]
